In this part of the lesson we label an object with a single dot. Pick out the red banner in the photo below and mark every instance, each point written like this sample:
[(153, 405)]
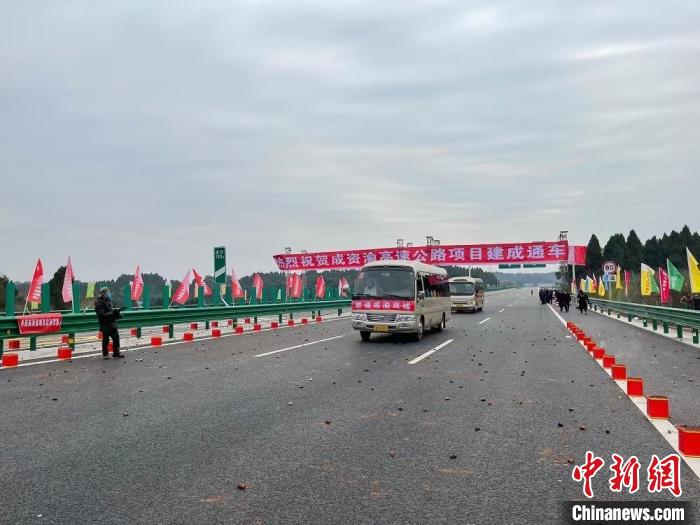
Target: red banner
[(39, 323), (665, 285), (477, 254), (383, 304), (34, 294)]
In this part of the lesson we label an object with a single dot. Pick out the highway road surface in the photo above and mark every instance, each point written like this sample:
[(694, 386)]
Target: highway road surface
[(310, 425)]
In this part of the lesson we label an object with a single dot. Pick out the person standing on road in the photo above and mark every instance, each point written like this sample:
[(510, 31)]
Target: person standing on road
[(583, 302), (107, 317)]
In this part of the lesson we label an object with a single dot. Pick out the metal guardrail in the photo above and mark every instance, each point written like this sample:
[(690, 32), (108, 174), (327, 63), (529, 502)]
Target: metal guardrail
[(86, 322), (677, 317)]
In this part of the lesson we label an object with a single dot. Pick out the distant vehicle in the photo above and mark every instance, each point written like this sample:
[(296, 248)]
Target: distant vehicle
[(467, 293), (400, 297)]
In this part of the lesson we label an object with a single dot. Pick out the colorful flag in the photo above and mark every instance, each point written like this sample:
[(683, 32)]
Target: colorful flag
[(34, 294), (183, 291), (582, 285), (296, 286), (137, 285), (279, 295), (693, 271), (289, 284), (200, 283), (646, 277), (665, 283), (320, 287), (618, 279), (675, 277), (601, 287), (628, 278), (67, 291), (236, 289), (654, 286), (258, 285), (577, 255), (90, 292), (573, 287), (589, 284)]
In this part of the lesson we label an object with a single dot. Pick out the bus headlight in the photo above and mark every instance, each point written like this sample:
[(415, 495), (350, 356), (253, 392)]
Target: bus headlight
[(404, 318), (359, 317)]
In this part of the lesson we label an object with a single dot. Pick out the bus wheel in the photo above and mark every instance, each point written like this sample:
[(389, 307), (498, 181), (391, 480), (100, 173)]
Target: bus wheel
[(419, 334), (439, 327), (365, 336)]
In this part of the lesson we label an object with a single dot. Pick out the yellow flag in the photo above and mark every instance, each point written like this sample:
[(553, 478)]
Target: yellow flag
[(582, 285), (694, 272), (647, 274), (618, 279), (601, 287)]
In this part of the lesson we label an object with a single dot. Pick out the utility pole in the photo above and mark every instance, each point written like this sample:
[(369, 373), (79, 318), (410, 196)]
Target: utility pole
[(564, 265)]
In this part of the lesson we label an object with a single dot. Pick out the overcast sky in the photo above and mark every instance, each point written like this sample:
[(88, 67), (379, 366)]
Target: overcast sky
[(149, 132)]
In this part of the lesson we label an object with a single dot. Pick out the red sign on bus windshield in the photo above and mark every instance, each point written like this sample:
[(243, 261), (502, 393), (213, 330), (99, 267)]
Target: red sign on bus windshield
[(383, 304)]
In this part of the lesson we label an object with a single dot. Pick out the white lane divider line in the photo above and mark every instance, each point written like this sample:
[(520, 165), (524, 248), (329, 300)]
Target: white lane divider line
[(430, 352), (300, 346), (667, 430), (482, 322), (172, 342), (501, 310)]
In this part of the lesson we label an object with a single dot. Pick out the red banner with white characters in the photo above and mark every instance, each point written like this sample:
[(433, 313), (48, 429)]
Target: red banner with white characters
[(383, 304), (39, 323), (463, 254)]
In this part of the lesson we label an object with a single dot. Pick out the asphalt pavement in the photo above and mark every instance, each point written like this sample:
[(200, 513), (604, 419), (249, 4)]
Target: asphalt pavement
[(328, 429)]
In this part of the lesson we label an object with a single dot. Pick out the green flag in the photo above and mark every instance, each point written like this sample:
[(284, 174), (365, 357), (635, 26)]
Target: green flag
[(675, 276), (90, 291), (654, 286)]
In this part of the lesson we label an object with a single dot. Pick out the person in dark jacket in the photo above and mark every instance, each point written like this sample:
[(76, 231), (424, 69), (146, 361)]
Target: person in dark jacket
[(582, 302), (107, 317)]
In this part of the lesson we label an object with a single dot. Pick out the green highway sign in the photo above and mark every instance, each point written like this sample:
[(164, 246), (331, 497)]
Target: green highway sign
[(534, 265), (509, 266), (220, 265)]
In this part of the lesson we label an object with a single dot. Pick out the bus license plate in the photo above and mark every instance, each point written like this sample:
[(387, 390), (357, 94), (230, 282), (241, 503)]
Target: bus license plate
[(381, 328)]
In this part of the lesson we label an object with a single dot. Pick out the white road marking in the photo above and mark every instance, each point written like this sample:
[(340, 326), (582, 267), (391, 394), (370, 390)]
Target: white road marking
[(663, 426), (299, 346), (430, 352), (482, 322), (501, 310), (166, 342)]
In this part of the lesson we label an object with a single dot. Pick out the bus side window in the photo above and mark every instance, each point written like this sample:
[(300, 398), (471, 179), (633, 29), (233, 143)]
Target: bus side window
[(419, 284)]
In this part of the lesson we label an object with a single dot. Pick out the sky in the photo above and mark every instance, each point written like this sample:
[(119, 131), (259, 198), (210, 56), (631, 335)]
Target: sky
[(149, 132)]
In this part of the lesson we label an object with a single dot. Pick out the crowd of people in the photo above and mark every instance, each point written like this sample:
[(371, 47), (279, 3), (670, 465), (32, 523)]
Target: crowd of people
[(563, 299)]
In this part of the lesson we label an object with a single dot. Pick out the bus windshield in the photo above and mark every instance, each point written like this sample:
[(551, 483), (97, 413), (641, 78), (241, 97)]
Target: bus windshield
[(461, 289), (386, 283)]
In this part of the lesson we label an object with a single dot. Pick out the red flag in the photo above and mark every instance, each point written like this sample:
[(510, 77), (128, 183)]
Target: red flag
[(199, 281), (67, 290), (343, 286), (577, 255), (183, 291), (34, 294), (137, 285), (664, 285), (628, 276), (236, 288), (290, 283), (320, 287), (258, 285), (296, 286)]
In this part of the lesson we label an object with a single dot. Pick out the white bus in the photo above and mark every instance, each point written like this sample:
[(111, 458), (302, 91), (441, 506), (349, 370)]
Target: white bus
[(467, 293), (400, 297)]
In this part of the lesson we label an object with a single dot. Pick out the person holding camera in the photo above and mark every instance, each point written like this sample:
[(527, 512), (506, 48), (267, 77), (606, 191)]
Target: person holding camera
[(107, 317)]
